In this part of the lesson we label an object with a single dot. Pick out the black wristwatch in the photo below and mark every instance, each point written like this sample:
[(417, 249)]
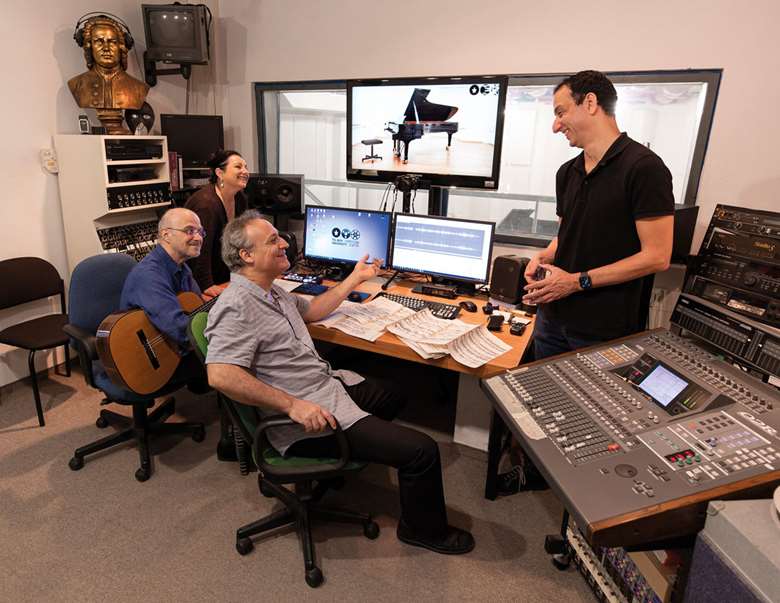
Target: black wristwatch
[(585, 282)]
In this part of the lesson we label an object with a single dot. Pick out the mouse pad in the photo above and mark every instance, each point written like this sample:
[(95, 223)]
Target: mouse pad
[(310, 289), (363, 296)]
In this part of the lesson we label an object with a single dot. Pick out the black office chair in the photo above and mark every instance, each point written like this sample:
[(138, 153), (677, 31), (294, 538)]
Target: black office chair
[(95, 291), (25, 280), (275, 470)]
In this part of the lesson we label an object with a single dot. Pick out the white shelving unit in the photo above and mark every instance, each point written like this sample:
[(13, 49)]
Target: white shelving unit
[(85, 187)]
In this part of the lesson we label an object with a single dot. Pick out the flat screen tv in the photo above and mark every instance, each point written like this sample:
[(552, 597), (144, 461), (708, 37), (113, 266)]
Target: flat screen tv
[(342, 236), (447, 130), (194, 137), (177, 33)]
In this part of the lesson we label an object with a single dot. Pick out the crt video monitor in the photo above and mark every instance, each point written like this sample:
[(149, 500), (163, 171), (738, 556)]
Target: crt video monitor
[(457, 250), (447, 130), (343, 236)]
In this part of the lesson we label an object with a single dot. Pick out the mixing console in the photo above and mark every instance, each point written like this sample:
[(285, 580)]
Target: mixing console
[(637, 435), (135, 239)]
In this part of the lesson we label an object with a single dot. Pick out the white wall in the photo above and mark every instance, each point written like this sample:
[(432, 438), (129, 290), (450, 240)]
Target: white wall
[(282, 40), (39, 56)]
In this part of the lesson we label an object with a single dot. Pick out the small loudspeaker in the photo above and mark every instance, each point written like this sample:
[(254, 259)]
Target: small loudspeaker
[(275, 193), (507, 279)]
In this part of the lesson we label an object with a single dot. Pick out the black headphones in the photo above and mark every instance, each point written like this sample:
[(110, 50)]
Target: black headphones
[(78, 31)]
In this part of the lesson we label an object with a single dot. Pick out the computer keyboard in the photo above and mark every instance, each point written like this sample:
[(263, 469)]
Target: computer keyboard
[(439, 310), (302, 278)]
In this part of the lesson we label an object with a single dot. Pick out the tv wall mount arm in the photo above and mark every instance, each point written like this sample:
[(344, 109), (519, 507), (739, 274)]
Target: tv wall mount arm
[(151, 72)]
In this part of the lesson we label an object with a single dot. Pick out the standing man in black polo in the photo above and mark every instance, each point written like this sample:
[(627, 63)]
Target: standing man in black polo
[(616, 210)]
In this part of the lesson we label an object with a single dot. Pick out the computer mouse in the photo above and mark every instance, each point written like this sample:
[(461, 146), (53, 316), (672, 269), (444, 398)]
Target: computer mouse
[(468, 306), (354, 296)]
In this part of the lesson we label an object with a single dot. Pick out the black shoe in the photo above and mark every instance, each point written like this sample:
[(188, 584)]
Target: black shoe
[(518, 479), (226, 451), (455, 542)]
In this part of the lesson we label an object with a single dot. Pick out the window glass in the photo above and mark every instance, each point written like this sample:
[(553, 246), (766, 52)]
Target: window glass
[(303, 131)]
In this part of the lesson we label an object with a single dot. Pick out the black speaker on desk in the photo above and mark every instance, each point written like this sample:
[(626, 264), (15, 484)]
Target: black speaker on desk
[(507, 279), (275, 194)]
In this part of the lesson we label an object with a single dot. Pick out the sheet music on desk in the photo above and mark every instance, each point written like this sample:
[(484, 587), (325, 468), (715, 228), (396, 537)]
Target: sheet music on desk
[(470, 344), (366, 321)]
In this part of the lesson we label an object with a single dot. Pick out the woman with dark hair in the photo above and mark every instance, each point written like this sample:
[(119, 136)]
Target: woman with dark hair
[(216, 203)]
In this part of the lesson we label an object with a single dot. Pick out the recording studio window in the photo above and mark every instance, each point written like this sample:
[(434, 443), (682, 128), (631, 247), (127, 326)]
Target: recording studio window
[(303, 131)]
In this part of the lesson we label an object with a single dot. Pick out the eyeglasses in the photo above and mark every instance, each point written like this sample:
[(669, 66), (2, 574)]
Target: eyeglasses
[(190, 231)]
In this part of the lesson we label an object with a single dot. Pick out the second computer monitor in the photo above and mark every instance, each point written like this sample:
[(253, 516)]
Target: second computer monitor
[(454, 249), (343, 236)]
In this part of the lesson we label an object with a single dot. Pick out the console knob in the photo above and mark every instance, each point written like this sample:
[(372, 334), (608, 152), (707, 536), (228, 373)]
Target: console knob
[(751, 280)]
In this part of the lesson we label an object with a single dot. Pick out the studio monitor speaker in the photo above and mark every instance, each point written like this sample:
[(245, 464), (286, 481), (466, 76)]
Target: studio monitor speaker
[(507, 279), (275, 193)]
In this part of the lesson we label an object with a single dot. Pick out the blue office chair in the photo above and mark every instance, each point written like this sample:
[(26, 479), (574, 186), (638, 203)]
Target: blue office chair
[(95, 291)]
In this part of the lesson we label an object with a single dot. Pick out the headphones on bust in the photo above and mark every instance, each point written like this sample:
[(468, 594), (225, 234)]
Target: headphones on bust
[(78, 31)]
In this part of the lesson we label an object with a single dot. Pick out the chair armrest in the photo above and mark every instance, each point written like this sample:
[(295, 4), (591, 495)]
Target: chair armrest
[(85, 345), (314, 471)]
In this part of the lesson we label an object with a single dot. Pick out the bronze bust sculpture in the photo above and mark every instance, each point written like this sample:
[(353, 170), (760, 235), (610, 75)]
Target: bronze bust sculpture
[(106, 87)]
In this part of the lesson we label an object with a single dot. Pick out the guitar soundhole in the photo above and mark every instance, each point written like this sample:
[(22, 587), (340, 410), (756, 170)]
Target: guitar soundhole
[(148, 349)]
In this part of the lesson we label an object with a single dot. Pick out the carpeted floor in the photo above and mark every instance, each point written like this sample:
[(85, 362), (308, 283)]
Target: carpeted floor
[(99, 535)]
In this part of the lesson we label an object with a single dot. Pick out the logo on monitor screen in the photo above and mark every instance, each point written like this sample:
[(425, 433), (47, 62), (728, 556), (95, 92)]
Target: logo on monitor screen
[(345, 233)]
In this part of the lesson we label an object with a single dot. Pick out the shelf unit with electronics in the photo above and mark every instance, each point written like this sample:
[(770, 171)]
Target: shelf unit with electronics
[(112, 191)]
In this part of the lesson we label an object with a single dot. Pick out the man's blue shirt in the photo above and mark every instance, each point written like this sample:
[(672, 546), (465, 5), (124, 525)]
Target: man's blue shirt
[(152, 285)]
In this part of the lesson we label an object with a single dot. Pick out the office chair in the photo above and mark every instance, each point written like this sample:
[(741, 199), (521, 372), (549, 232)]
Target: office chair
[(275, 470), (95, 290), (25, 280)]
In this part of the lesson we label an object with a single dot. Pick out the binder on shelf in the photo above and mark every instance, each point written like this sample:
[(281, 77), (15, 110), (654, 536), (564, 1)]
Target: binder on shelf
[(179, 170), (173, 168)]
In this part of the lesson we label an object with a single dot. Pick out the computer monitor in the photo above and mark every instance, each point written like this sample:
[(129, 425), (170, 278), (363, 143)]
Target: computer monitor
[(453, 249), (194, 137), (342, 236), (447, 130)]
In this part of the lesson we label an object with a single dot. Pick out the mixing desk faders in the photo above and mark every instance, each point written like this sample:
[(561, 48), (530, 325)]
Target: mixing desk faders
[(637, 435)]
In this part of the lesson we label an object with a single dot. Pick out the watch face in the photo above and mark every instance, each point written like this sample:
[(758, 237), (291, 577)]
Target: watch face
[(585, 281)]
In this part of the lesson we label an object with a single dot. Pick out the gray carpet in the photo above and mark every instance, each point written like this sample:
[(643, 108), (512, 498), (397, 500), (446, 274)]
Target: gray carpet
[(99, 535)]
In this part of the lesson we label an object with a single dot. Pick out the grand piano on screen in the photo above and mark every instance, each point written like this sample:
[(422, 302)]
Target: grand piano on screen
[(421, 117)]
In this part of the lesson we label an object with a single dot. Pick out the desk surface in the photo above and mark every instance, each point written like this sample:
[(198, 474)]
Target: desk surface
[(389, 345)]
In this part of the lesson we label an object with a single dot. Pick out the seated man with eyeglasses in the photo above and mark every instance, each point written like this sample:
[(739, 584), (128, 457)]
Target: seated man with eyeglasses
[(154, 283)]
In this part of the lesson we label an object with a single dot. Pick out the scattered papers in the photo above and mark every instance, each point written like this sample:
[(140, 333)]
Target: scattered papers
[(470, 344), (366, 321)]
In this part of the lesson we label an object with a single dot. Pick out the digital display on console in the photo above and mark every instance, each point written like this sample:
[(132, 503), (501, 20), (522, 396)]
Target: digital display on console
[(342, 235), (456, 249), (662, 385)]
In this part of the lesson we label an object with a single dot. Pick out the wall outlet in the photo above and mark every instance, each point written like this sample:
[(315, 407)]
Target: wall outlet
[(49, 161)]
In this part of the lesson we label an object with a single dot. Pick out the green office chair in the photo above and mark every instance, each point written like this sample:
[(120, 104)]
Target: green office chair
[(274, 470)]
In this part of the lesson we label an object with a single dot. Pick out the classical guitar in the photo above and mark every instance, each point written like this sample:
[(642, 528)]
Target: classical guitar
[(134, 353)]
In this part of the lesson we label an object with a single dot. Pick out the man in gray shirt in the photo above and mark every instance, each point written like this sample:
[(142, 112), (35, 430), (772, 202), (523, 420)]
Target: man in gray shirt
[(261, 354)]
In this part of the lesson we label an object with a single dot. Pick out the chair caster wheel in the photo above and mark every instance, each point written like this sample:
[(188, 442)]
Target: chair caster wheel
[(199, 434), (143, 474), (371, 530), (244, 546), (101, 423), (314, 577), (265, 490), (76, 463), (562, 561)]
